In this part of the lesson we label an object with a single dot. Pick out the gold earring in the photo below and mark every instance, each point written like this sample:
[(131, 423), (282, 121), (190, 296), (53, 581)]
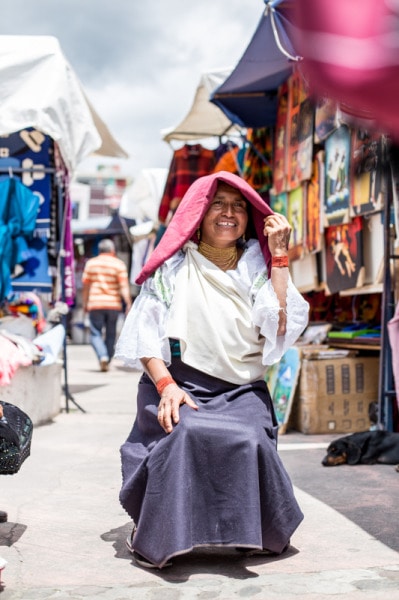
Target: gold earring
[(199, 234)]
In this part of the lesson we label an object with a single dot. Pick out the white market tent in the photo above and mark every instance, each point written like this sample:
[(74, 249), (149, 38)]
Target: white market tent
[(38, 88), (204, 118), (142, 198)]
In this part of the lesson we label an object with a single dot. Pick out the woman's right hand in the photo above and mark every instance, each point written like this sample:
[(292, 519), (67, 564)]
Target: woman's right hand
[(168, 409)]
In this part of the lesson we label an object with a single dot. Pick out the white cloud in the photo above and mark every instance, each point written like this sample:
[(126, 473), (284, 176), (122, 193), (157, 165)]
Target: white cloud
[(140, 61)]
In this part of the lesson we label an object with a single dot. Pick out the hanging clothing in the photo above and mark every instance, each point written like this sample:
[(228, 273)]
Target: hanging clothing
[(18, 212), (188, 163), (228, 160)]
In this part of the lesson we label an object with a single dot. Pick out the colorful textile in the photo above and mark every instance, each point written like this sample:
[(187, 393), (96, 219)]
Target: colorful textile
[(257, 169), (18, 212), (36, 274), (189, 215), (33, 150), (68, 292), (106, 275), (188, 163), (228, 161)]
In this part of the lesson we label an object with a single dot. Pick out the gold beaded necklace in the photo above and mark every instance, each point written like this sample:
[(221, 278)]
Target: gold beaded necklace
[(224, 258)]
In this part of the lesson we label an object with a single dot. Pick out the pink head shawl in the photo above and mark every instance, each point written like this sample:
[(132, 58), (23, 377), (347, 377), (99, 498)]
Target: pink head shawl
[(190, 212)]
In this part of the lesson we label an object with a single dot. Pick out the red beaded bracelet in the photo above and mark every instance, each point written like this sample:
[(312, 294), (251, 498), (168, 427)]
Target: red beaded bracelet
[(163, 382), (279, 261)]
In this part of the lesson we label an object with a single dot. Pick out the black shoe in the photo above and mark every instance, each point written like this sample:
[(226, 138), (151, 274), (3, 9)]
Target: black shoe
[(3, 516)]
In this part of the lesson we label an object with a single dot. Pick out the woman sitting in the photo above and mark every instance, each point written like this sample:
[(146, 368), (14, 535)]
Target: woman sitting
[(200, 466)]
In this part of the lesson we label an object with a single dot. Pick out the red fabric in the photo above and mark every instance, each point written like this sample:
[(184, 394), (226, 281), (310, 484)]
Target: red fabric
[(190, 212), (350, 53), (188, 163)]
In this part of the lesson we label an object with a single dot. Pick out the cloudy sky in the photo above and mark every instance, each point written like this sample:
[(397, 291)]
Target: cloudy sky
[(140, 61)]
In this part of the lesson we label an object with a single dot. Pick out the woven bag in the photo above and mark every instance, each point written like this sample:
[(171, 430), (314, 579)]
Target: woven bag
[(15, 438)]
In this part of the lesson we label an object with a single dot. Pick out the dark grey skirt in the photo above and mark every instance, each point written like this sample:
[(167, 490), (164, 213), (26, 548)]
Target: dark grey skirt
[(215, 480)]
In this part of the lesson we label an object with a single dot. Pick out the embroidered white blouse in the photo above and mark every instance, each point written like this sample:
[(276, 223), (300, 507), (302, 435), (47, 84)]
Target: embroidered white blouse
[(146, 328)]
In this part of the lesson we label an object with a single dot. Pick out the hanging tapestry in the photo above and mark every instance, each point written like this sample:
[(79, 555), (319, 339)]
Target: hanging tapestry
[(300, 132), (280, 141), (257, 167), (344, 256), (36, 274), (336, 194), (33, 150)]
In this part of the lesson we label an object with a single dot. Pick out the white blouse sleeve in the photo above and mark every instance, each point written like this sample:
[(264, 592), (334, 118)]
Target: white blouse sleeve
[(144, 330), (266, 316), (265, 311)]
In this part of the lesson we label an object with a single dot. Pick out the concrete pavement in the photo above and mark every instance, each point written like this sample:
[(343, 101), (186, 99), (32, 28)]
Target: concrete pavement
[(65, 537)]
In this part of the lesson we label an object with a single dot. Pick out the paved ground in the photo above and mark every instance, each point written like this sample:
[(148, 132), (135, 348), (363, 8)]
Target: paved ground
[(65, 536)]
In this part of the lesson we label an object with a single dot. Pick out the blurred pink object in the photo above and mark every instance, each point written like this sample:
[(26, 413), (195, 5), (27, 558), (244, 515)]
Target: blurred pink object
[(350, 53)]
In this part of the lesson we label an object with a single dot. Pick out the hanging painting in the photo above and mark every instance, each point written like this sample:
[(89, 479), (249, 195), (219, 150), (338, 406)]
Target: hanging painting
[(313, 205), (344, 256), (295, 217), (300, 131), (280, 142), (366, 172), (325, 119), (336, 194), (279, 203)]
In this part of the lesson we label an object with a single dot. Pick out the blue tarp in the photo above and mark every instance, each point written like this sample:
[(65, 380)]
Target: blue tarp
[(248, 96)]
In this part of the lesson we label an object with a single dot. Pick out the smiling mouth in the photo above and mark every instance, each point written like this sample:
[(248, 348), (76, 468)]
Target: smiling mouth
[(225, 224)]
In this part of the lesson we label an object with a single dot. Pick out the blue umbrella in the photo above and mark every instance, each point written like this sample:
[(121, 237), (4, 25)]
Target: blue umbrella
[(248, 96)]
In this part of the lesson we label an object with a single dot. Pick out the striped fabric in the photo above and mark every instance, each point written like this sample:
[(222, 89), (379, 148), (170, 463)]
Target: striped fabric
[(106, 275), (350, 53)]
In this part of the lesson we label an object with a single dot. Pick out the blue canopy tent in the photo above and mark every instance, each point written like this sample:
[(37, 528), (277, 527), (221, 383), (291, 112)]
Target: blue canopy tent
[(248, 96)]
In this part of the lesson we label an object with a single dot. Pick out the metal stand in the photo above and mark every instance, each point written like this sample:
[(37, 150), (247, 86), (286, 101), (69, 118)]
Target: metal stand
[(62, 222), (387, 393)]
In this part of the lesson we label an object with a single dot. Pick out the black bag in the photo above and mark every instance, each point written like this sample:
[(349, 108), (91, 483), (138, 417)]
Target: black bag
[(16, 430)]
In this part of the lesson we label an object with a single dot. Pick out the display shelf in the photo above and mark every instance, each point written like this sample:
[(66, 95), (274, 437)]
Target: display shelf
[(373, 288)]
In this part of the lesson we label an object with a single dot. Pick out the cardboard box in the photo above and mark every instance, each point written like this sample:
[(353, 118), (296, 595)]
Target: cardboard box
[(334, 394)]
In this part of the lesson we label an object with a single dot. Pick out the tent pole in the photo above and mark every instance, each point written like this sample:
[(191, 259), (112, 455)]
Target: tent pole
[(62, 219)]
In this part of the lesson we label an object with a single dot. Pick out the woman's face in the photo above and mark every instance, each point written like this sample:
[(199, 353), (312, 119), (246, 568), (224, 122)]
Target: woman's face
[(226, 218)]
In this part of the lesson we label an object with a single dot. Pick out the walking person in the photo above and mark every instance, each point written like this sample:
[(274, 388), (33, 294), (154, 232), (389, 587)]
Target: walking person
[(105, 284), (217, 304)]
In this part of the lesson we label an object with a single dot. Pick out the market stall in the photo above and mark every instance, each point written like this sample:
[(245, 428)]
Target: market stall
[(47, 127), (331, 170), (330, 173)]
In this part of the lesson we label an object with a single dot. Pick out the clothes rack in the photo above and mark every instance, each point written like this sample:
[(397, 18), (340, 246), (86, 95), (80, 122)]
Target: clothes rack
[(10, 171)]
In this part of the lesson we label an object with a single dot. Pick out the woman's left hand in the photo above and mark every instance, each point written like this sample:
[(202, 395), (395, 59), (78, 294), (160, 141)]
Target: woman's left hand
[(277, 230), (171, 400)]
